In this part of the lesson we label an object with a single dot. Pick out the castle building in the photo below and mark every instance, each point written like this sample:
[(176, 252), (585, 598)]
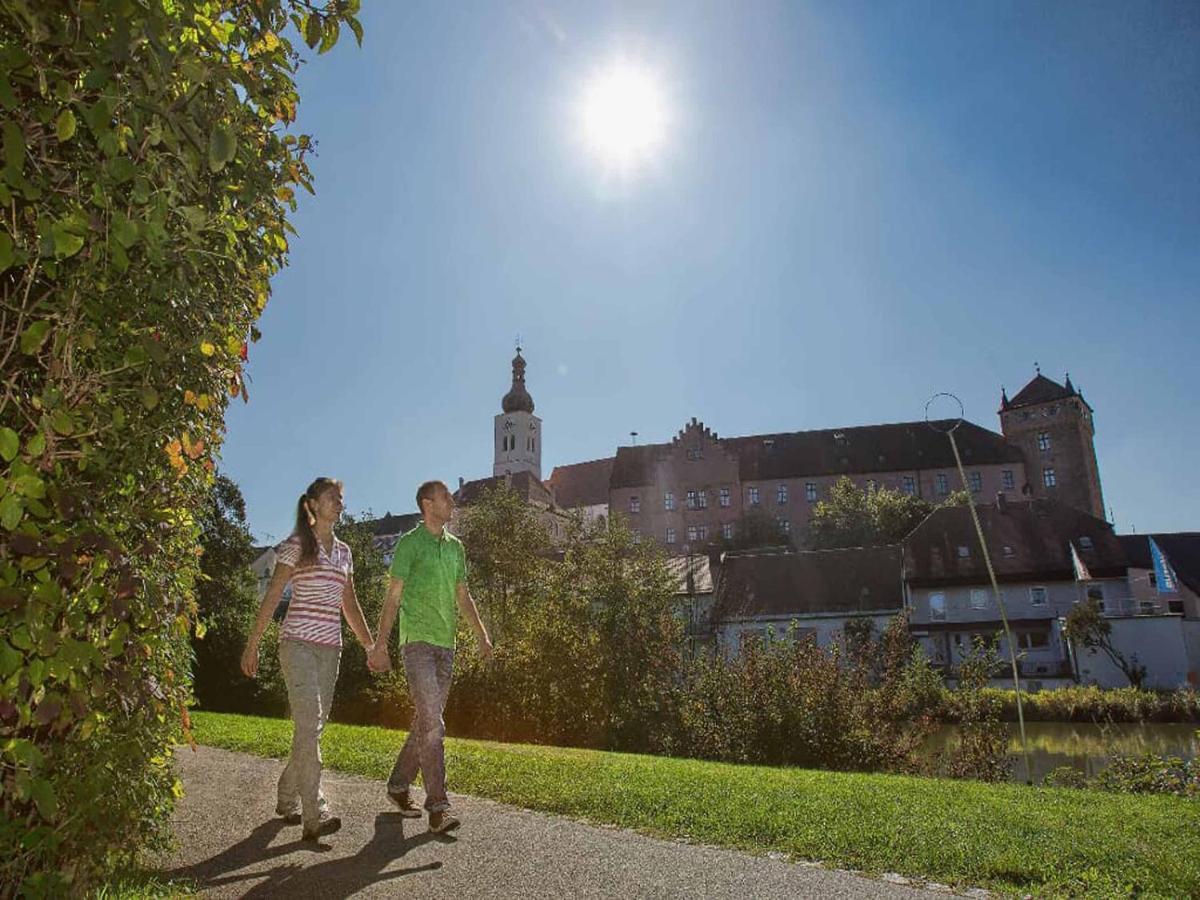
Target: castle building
[(695, 491)]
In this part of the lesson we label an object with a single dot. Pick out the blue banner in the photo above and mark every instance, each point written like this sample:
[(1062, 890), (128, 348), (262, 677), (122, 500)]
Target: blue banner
[(1164, 575)]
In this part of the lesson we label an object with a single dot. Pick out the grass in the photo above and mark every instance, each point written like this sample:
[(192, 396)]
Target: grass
[(1011, 838)]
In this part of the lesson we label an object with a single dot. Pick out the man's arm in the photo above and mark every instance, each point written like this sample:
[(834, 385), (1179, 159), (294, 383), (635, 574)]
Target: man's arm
[(378, 658), (466, 606)]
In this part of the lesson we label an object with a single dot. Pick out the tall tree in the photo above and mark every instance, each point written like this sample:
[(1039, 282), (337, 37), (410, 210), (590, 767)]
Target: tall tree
[(854, 517), (1087, 627)]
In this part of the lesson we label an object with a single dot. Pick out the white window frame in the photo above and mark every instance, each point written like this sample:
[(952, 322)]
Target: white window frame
[(975, 480), (635, 504), (725, 498), (979, 598), (668, 500), (1009, 480), (670, 535), (810, 491), (1038, 590), (781, 495), (1049, 479), (691, 533), (1043, 441), (752, 494), (702, 499), (910, 485), (943, 485), (727, 531)]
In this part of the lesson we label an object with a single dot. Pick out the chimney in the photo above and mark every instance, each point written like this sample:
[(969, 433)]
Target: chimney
[(1001, 503), (461, 482)]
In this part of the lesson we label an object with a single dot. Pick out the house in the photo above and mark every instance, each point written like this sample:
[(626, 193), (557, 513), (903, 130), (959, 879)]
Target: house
[(808, 593)]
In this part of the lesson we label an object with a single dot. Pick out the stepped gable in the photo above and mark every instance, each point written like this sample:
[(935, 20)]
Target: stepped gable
[(581, 484), (834, 451), (1039, 532), (1182, 549), (864, 579)]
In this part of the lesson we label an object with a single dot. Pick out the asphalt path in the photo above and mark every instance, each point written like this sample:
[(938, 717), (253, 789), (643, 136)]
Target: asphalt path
[(230, 844)]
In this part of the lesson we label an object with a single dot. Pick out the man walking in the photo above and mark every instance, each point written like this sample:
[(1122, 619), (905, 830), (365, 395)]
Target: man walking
[(428, 586)]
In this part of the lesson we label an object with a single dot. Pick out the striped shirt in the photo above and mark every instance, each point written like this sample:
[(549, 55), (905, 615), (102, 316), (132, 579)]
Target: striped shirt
[(315, 613)]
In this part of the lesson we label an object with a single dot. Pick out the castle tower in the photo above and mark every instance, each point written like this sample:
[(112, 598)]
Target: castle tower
[(517, 434), (1052, 425)]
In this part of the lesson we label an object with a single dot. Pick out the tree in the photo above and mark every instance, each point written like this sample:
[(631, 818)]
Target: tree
[(148, 173), (226, 599), (755, 530), (1087, 627), (853, 517)]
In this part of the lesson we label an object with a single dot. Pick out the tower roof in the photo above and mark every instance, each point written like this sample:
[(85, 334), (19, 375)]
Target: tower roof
[(517, 399), (1041, 390)]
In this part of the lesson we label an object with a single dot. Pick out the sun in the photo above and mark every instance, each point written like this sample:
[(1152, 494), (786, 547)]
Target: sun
[(622, 114)]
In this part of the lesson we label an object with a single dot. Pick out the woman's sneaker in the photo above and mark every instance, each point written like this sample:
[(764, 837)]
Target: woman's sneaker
[(442, 821), (408, 809), (328, 825)]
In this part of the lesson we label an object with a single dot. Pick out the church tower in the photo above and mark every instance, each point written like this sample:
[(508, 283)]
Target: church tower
[(517, 431), (1052, 425)]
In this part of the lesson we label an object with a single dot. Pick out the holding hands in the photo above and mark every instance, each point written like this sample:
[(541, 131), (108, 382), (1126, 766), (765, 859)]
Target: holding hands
[(378, 660)]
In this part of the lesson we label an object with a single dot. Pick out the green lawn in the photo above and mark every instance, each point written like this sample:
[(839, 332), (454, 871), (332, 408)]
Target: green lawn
[(1006, 837)]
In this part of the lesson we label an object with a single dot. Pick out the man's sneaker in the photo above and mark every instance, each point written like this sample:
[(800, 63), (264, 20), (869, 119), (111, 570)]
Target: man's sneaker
[(289, 818), (408, 809), (442, 821), (327, 825)]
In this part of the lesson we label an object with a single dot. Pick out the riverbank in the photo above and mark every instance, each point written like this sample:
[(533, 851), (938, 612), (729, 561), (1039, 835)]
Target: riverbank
[(1005, 837), (1085, 704)]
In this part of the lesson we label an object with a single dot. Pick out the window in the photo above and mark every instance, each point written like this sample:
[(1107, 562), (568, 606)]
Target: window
[(691, 499), (702, 532), (943, 486), (910, 485), (1037, 596), (1048, 477), (810, 492), (1032, 640), (695, 453), (1007, 551), (1009, 482), (752, 494), (637, 536), (871, 485), (724, 500), (670, 535), (784, 525), (975, 479), (668, 500), (1043, 440), (691, 532), (978, 598), (727, 531), (781, 494), (937, 607), (635, 504), (964, 551), (702, 499), (1096, 592), (1085, 542)]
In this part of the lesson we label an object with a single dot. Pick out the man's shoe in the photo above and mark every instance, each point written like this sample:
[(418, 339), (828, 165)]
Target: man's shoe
[(289, 816), (442, 821), (327, 825), (408, 809)]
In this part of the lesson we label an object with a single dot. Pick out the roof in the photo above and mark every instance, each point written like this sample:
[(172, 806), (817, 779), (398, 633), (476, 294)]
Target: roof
[(692, 574), (1182, 549), (809, 582), (1039, 533), (390, 524), (523, 484), (832, 451), (581, 484), (1041, 390)]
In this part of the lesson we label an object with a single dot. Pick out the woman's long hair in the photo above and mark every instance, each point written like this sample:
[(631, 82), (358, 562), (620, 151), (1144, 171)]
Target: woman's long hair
[(306, 517)]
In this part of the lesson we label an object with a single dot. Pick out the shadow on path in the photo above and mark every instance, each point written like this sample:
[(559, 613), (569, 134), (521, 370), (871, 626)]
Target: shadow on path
[(342, 875)]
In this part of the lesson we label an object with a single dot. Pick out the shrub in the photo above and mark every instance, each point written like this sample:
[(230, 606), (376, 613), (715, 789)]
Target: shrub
[(145, 187), (1150, 774)]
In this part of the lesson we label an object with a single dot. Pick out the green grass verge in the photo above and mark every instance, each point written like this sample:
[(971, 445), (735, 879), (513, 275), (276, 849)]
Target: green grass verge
[(1050, 842)]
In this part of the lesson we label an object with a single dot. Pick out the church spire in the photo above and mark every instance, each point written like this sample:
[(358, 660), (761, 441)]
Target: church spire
[(517, 399)]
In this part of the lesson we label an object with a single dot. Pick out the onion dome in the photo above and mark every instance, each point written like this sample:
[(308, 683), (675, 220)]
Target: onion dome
[(517, 399)]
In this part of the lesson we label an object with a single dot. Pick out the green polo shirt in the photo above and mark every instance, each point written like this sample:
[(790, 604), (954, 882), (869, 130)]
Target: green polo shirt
[(431, 568)]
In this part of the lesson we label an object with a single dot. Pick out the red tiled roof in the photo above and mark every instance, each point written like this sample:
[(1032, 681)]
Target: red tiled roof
[(814, 581), (523, 484), (581, 484), (833, 451), (1039, 533)]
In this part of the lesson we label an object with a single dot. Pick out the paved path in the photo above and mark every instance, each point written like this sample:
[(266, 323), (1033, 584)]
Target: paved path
[(231, 845)]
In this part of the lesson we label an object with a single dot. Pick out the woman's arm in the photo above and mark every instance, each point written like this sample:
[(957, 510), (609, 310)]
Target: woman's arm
[(279, 580), (354, 615)]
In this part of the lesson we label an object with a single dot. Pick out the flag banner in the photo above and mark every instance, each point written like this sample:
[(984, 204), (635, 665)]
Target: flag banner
[(1081, 569), (1164, 575)]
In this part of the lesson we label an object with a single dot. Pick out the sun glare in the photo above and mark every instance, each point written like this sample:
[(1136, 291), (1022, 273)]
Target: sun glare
[(622, 115)]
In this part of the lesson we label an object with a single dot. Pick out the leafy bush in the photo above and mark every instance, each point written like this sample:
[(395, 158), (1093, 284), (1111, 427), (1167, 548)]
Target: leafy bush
[(145, 185), (1150, 774)]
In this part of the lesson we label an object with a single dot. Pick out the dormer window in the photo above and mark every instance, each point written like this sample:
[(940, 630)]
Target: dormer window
[(768, 443), (1007, 552), (964, 552), (1085, 543), (839, 438)]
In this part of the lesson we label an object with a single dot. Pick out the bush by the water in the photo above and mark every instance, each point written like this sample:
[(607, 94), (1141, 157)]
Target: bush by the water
[(1145, 773), (1086, 703)]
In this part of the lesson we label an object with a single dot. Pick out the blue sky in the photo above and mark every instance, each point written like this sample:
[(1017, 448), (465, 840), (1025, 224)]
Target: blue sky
[(855, 205)]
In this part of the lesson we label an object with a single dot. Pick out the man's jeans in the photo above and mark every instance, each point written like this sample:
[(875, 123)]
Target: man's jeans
[(427, 668), (310, 671)]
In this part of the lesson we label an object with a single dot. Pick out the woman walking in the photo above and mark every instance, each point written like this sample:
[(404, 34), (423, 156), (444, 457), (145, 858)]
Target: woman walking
[(320, 569)]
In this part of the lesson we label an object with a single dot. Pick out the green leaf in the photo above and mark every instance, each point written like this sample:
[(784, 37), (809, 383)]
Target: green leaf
[(222, 146), (20, 750), (66, 243), (14, 147), (329, 35), (313, 29), (149, 397), (9, 444), (10, 659), (30, 486), (44, 797), (64, 125), (34, 336), (36, 445), (356, 27), (7, 257), (124, 229), (62, 422), (11, 510)]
